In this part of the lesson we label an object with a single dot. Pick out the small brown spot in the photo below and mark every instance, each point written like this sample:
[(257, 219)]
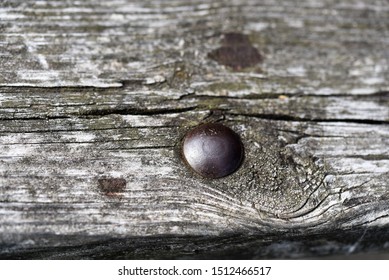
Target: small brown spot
[(236, 52), (112, 186)]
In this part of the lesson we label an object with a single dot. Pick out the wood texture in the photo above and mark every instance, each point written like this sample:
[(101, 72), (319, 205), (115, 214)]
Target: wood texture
[(96, 96)]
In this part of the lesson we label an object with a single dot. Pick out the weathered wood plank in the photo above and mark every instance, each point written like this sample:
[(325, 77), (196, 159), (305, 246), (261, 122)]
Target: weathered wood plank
[(95, 98), (309, 47)]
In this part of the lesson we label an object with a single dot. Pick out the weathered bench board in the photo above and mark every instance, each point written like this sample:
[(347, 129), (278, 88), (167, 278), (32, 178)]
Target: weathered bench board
[(96, 96)]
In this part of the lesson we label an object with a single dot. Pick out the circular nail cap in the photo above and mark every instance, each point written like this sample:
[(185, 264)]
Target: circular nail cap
[(213, 150)]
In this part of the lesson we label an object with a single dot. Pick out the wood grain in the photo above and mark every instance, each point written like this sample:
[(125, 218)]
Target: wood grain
[(95, 98)]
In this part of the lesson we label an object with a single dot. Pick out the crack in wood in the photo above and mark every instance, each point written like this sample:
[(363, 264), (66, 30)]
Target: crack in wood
[(134, 111), (278, 117)]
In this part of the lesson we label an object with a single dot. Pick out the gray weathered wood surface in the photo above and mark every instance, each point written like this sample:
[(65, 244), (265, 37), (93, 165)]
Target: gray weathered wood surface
[(95, 97)]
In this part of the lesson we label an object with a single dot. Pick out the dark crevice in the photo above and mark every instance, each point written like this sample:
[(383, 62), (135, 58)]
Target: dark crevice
[(88, 129), (33, 118), (75, 87), (105, 112), (257, 96), (132, 111), (375, 94), (88, 142), (252, 96), (374, 220), (143, 148), (364, 157), (276, 117)]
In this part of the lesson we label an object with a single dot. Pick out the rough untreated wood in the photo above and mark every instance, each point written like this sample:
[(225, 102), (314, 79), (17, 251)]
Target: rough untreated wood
[(95, 98)]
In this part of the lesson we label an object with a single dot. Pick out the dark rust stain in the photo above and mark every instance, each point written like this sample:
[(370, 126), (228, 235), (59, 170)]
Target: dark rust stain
[(112, 186), (236, 52)]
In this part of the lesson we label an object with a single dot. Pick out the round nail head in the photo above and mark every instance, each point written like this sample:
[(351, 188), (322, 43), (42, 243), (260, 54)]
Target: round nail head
[(213, 150)]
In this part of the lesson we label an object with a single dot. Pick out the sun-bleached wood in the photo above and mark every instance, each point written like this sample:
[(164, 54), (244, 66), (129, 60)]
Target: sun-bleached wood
[(96, 97)]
